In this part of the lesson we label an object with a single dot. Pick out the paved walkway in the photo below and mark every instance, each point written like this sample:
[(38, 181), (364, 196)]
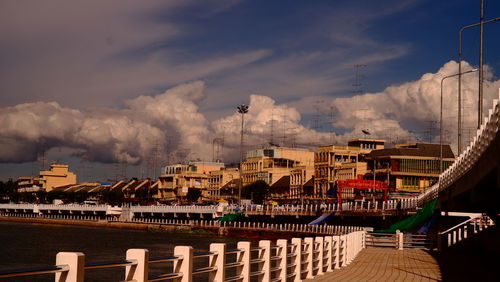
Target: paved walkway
[(384, 264)]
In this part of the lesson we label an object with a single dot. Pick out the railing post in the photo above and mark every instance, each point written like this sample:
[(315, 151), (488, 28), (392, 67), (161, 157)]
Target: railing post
[(297, 259), (342, 250), (399, 240), (76, 264), (309, 241), (244, 257), (283, 254), (329, 253), (218, 261), (335, 252), (440, 241), (184, 266), (137, 272), (265, 255), (321, 252)]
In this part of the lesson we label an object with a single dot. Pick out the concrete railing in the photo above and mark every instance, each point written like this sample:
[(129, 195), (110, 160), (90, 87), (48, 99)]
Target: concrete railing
[(469, 157), (255, 226), (175, 209), (282, 260), (216, 211), (462, 231), (409, 203)]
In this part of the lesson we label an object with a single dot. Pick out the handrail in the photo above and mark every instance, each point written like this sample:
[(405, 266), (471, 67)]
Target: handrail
[(166, 276), (165, 259), (272, 262), (33, 271), (457, 226), (112, 263)]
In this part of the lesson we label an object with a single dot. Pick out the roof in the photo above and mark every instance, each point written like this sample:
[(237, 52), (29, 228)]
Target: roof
[(415, 149), (281, 185)]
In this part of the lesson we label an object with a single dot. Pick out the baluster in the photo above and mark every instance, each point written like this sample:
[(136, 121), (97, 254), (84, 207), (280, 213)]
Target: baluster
[(185, 265), (218, 261), (76, 264), (138, 272)]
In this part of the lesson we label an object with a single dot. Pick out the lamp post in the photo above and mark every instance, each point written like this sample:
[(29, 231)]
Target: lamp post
[(441, 118), (480, 103), (242, 109)]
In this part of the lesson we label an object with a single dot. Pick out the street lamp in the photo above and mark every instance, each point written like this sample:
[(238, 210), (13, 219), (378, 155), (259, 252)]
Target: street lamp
[(441, 118), (480, 103), (242, 109)]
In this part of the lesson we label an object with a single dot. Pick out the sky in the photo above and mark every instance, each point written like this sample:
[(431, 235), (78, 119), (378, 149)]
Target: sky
[(123, 87)]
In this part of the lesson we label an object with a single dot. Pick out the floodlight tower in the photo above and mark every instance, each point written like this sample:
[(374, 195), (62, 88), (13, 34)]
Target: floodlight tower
[(242, 109)]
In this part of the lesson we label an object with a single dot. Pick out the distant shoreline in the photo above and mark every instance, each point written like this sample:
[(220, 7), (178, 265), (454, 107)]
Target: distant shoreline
[(168, 228)]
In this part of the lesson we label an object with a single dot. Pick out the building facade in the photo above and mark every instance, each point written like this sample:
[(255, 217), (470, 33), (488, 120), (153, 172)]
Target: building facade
[(176, 180), (299, 176), (271, 164), (224, 178), (411, 168), (332, 163), (57, 175)]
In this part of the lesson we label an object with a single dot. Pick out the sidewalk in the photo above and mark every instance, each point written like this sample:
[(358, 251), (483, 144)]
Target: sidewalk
[(384, 264)]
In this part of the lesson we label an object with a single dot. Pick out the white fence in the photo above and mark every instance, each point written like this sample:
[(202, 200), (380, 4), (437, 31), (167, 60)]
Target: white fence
[(462, 231), (469, 156), (215, 211), (283, 260)]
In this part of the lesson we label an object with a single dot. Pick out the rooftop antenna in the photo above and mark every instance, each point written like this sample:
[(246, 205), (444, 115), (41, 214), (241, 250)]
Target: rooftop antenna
[(217, 145), (430, 130), (271, 137), (284, 127), (316, 123), (357, 78)]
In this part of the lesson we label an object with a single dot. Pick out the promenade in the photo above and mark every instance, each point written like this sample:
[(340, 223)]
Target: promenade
[(385, 264)]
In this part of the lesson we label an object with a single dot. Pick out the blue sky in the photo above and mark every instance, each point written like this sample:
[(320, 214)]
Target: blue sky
[(97, 56)]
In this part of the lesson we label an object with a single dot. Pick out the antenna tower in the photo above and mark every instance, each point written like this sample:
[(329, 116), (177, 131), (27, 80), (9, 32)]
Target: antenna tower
[(357, 78)]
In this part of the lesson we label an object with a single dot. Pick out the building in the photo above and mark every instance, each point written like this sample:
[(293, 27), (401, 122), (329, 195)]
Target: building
[(332, 163), (299, 176), (58, 175), (224, 178), (410, 168), (178, 179), (272, 163)]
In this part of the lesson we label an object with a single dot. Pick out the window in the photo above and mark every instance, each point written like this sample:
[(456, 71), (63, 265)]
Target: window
[(411, 181)]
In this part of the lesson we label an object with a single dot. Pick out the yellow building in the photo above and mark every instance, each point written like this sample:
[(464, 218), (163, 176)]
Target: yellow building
[(411, 168), (176, 180), (58, 175), (221, 178), (299, 176), (333, 163), (270, 164)]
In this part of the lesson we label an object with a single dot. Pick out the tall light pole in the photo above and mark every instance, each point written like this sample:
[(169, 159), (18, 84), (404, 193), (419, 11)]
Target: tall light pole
[(480, 102), (441, 118), (242, 109)]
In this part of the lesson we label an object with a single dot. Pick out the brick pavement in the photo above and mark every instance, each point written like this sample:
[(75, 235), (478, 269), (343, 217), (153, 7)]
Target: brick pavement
[(385, 264)]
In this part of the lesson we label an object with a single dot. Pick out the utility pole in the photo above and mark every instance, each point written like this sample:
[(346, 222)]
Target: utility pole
[(481, 46)]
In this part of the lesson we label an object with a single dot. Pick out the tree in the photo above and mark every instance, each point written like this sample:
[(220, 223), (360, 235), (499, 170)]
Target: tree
[(256, 191)]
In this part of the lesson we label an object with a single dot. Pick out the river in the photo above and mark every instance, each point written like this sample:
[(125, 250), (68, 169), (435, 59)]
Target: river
[(31, 245)]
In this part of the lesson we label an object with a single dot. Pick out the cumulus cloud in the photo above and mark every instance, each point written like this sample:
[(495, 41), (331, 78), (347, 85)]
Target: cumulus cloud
[(118, 135), (400, 109), (173, 121)]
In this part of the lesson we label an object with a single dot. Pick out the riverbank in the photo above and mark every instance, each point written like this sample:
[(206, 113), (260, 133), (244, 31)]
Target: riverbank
[(227, 229)]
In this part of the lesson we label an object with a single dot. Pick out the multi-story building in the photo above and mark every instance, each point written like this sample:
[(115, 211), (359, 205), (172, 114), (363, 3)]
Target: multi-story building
[(272, 163), (332, 163), (410, 168), (224, 178), (299, 176), (58, 175), (177, 179)]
